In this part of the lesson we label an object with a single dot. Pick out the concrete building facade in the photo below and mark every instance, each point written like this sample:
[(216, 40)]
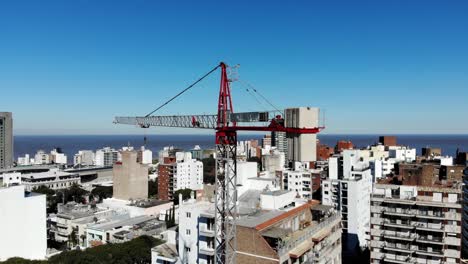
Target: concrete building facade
[(6, 140), (416, 224), (130, 178), (301, 147), (309, 233)]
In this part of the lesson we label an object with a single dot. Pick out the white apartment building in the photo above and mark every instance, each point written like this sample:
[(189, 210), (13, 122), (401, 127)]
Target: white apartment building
[(300, 180), (248, 178), (145, 156), (416, 224), (196, 231), (123, 229), (189, 172), (41, 158), (24, 161), (106, 157), (22, 224), (74, 219), (57, 157), (273, 161), (348, 189), (382, 159), (402, 153), (84, 158), (246, 149)]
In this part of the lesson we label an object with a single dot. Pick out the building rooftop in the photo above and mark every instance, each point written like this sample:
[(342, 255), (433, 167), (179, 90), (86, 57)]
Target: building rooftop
[(446, 188), (28, 169), (48, 174), (148, 203), (260, 217), (166, 250), (122, 222)]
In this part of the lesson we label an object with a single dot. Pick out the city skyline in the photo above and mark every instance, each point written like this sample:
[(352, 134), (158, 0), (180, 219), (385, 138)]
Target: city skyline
[(393, 68)]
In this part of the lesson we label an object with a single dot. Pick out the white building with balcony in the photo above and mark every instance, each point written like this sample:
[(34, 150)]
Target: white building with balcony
[(348, 189), (300, 179), (106, 157), (189, 172), (41, 158), (196, 231), (84, 158)]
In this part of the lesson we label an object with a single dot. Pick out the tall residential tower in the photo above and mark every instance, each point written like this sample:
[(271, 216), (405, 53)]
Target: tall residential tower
[(6, 140)]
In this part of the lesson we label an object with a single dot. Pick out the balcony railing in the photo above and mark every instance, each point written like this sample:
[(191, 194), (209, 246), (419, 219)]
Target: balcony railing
[(305, 234)]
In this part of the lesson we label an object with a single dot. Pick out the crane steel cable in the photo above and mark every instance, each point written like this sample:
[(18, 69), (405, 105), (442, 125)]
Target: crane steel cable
[(183, 91), (264, 98), (253, 96)]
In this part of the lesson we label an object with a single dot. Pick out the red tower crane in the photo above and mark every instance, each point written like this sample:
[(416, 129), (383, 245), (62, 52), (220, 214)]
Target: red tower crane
[(226, 123)]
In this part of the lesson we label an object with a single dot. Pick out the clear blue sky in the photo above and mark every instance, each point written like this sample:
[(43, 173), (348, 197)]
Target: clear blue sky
[(68, 67)]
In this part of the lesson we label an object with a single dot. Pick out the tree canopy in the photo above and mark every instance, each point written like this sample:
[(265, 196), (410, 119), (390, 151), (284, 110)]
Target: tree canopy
[(137, 250)]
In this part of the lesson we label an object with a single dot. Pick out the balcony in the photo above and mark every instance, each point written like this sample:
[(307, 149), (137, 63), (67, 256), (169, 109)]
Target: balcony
[(430, 240), (429, 227), (398, 248), (453, 241), (430, 252), (304, 235), (452, 229), (377, 209), (399, 235), (399, 212), (207, 251), (376, 221), (430, 215), (377, 244), (377, 255), (428, 261), (207, 232), (451, 253), (399, 224), (453, 216), (376, 232), (403, 259)]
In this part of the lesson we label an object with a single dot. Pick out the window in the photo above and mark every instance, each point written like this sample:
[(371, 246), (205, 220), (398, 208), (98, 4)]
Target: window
[(189, 215), (187, 249), (187, 232)]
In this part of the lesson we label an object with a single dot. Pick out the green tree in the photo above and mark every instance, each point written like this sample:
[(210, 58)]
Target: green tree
[(209, 170), (75, 193), (73, 237), (51, 197), (102, 192), (153, 188), (185, 195)]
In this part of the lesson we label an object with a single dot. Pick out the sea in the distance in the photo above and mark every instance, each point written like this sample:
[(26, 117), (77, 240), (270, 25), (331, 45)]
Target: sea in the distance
[(70, 144)]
